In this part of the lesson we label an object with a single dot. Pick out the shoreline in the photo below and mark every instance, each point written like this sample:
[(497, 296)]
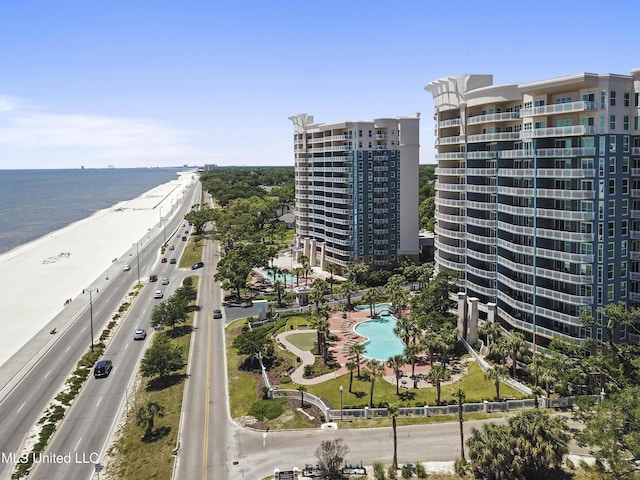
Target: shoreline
[(38, 277)]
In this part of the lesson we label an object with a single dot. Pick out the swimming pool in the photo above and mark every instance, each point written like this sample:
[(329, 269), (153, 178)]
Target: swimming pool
[(382, 343), (269, 276)]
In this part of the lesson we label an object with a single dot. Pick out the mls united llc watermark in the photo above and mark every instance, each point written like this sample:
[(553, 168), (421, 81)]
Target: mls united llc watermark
[(76, 457)]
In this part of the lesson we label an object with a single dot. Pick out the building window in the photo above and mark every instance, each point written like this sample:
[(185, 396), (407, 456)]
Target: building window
[(636, 122), (609, 293), (625, 145), (601, 123), (610, 226), (623, 294), (625, 186), (612, 122), (612, 98), (600, 253), (636, 99), (626, 99), (625, 206), (623, 248), (612, 186), (610, 271), (600, 303), (603, 100), (610, 250), (625, 122), (612, 143), (623, 269), (612, 165)]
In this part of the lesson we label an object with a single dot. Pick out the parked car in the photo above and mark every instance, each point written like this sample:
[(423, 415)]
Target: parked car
[(184, 239), (164, 260), (103, 368), (126, 268), (157, 294), (217, 313), (139, 334), (165, 281), (173, 261), (197, 265), (153, 278), (171, 247)]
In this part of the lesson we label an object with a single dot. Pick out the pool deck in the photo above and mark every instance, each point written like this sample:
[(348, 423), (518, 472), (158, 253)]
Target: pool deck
[(344, 329)]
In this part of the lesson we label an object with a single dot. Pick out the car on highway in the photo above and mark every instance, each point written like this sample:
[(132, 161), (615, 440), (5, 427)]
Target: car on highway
[(184, 239), (126, 268), (197, 265), (165, 281), (173, 261), (153, 278), (171, 247), (217, 313), (139, 334), (164, 260), (103, 368), (157, 294)]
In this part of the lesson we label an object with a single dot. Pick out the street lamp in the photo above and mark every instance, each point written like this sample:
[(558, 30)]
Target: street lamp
[(340, 403), (91, 290)]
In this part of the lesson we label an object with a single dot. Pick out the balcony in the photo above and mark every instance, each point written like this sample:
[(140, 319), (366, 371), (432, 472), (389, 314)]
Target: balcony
[(493, 117), (450, 233), (450, 264), (558, 108), (482, 188), (450, 140), (559, 131), (482, 155), (482, 172), (566, 152), (454, 122), (456, 172), (635, 151), (515, 154), (493, 137), (451, 187), (450, 156), (566, 173)]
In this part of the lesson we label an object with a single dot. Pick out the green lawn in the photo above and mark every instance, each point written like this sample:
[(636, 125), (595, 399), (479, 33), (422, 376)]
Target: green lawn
[(304, 341)]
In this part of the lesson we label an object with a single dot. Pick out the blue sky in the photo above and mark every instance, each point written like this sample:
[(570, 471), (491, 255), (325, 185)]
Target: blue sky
[(162, 83)]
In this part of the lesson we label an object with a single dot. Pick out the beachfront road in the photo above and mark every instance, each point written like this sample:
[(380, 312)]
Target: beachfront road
[(82, 437)]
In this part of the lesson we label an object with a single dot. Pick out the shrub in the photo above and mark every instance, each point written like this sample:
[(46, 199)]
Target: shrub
[(407, 471), (421, 471), (285, 379), (378, 471), (392, 472), (269, 409)]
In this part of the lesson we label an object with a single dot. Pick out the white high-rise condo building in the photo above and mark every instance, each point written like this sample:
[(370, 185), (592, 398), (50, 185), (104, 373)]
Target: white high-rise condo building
[(356, 191), (538, 198)]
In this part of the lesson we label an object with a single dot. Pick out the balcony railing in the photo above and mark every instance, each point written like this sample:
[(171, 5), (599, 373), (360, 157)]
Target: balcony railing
[(493, 137), (558, 108), (559, 131), (493, 117)]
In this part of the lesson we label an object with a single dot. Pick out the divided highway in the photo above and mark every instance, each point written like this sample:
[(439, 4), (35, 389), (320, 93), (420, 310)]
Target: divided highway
[(84, 433)]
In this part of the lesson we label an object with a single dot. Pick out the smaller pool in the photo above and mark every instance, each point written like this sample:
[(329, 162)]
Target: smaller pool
[(382, 343), (380, 307), (269, 276)]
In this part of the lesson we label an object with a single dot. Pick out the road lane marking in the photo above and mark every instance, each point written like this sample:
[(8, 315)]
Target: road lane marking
[(99, 400), (206, 403), (77, 445), (23, 404), (47, 374), (67, 349)]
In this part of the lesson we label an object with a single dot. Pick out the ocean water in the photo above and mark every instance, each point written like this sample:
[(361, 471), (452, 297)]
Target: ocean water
[(34, 203)]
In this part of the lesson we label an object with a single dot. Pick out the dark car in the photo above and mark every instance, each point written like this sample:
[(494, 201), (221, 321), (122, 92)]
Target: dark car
[(153, 278), (197, 265), (173, 261), (217, 313), (103, 369), (164, 260), (184, 239)]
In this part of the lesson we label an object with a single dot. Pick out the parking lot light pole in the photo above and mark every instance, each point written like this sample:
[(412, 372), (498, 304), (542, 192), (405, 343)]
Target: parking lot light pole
[(91, 290), (340, 403)]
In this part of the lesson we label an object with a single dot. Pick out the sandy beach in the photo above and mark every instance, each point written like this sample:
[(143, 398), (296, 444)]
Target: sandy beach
[(37, 278)]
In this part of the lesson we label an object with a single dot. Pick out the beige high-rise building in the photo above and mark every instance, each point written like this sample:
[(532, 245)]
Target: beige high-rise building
[(357, 191), (538, 198)]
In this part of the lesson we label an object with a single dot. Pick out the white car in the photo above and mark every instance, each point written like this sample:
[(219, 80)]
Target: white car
[(126, 268), (165, 281), (139, 334), (158, 294)]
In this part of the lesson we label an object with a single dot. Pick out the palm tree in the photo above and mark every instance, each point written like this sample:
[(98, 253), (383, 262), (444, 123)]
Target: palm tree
[(320, 323), (356, 349), (396, 362), (277, 285), (492, 331), (301, 389), (405, 328), (437, 375), (347, 289), (371, 297), (411, 352), (146, 415), (331, 268), (517, 349), (375, 370), (496, 374), (351, 366), (394, 411), (298, 271), (460, 396)]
